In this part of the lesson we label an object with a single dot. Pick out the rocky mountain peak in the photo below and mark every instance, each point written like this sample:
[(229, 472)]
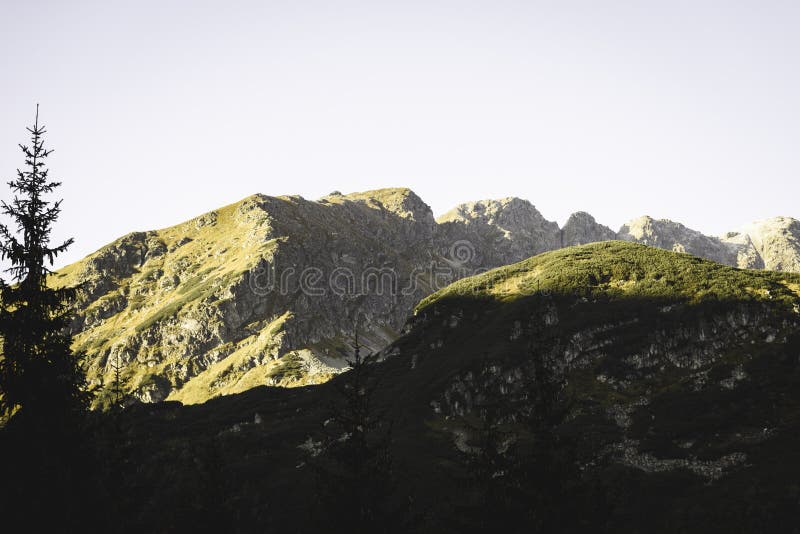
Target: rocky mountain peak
[(581, 228), (501, 229), (398, 200), (510, 212), (648, 231)]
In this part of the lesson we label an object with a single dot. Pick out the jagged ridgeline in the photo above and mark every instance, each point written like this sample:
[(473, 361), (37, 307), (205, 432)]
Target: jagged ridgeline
[(265, 291)]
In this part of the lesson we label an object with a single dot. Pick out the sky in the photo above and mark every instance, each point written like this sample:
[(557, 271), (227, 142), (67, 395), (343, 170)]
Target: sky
[(161, 110)]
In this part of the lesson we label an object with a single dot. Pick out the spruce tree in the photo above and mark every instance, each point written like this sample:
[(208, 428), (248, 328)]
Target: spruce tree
[(354, 475), (40, 376)]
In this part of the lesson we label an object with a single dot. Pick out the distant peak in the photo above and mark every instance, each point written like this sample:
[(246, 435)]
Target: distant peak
[(774, 222), (386, 193), (581, 216), (646, 221), (488, 210), (399, 200), (582, 228)]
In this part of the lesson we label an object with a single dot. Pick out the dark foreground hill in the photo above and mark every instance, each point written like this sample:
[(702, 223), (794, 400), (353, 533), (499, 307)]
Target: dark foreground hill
[(671, 390)]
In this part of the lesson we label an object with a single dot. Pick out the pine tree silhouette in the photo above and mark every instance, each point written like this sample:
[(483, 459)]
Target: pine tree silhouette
[(40, 376), (42, 386), (354, 475), (117, 393)]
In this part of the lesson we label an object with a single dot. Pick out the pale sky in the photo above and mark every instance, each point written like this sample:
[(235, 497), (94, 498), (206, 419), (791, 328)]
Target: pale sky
[(161, 110)]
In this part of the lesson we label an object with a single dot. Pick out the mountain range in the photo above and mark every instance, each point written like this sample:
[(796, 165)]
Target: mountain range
[(680, 382), (272, 290)]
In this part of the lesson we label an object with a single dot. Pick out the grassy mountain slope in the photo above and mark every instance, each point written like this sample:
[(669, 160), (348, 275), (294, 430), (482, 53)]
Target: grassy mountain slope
[(189, 312), (181, 275)]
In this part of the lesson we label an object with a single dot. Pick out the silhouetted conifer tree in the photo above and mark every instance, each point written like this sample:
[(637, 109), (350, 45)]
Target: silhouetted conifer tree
[(45, 460), (354, 475), (40, 376), (117, 393)]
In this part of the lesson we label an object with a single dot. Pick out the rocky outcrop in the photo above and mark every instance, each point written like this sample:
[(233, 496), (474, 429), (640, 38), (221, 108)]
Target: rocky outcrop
[(500, 231), (581, 229), (747, 256), (772, 244), (777, 242)]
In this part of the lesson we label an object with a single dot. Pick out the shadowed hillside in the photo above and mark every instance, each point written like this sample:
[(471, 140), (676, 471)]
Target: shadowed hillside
[(681, 377)]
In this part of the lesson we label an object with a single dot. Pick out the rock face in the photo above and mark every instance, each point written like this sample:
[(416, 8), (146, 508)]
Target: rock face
[(500, 231), (269, 290), (772, 244), (747, 256), (777, 242), (581, 229)]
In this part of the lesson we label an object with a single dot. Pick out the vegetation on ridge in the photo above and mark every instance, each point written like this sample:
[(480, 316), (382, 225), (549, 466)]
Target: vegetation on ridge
[(619, 269)]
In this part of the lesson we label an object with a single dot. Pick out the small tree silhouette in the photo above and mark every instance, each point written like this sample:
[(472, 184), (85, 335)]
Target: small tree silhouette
[(117, 393), (39, 375), (354, 475)]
